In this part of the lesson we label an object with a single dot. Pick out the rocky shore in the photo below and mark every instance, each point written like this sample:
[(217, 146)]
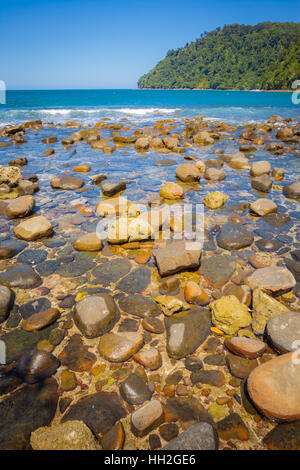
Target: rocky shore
[(137, 339)]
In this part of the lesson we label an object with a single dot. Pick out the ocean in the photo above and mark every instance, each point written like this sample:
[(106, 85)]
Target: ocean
[(89, 106)]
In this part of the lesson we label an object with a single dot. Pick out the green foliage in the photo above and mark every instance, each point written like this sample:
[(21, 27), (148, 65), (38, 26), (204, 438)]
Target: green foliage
[(264, 56)]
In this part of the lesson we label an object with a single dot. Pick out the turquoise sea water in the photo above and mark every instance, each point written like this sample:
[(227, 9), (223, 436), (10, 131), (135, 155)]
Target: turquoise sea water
[(88, 106)]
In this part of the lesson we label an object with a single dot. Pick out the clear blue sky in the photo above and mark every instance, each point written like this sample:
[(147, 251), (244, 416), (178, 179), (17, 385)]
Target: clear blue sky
[(48, 44)]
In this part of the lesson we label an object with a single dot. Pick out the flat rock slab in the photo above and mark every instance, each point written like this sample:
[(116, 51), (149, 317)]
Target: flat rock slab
[(177, 256), (24, 411), (67, 182), (99, 411), (217, 269), (139, 305), (272, 280), (136, 281), (76, 355), (187, 331), (21, 276), (96, 315), (134, 390), (274, 387), (120, 347), (234, 237), (283, 332), (199, 436), (110, 271)]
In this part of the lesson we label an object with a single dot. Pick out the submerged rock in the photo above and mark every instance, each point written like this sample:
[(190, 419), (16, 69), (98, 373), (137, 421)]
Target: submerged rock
[(120, 347), (34, 366), (24, 411), (234, 237), (134, 390), (146, 418), (111, 187), (72, 435), (21, 276), (199, 436), (99, 411), (96, 315), (246, 347), (88, 242), (186, 331), (7, 298), (263, 207), (283, 332)]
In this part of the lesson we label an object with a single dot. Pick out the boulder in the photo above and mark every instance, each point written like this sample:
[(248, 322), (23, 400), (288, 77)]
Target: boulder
[(262, 183), (72, 435), (292, 190), (134, 390), (264, 308), (20, 207), (188, 173), (146, 418), (177, 256), (213, 174), (35, 366), (120, 347), (274, 387), (34, 228), (88, 242), (172, 191), (260, 168), (215, 200), (95, 315), (229, 314), (7, 298), (186, 331), (249, 348), (273, 280), (10, 175), (263, 207), (111, 187), (66, 182), (199, 436), (234, 237), (283, 332)]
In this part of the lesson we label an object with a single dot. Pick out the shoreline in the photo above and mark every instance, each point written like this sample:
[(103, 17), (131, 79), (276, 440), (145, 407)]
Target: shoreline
[(212, 89)]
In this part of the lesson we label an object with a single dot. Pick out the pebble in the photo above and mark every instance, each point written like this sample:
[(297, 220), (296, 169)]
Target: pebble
[(146, 418), (120, 347)]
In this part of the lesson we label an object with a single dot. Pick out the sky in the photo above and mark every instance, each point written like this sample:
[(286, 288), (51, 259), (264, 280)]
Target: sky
[(62, 44)]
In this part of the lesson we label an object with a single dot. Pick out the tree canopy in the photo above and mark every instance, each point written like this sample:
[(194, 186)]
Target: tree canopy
[(264, 56)]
